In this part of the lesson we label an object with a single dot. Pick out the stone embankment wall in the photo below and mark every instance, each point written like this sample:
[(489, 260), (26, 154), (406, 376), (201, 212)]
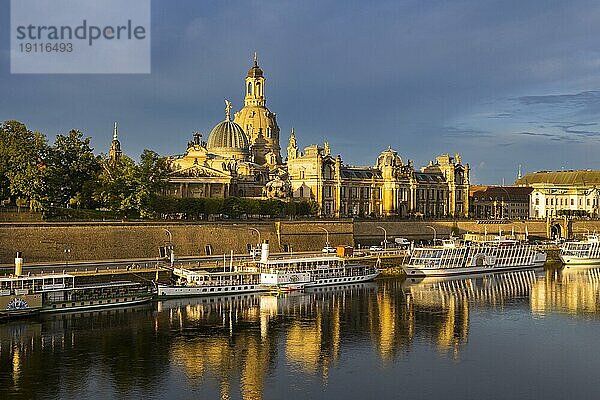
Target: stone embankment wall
[(97, 241), (100, 241)]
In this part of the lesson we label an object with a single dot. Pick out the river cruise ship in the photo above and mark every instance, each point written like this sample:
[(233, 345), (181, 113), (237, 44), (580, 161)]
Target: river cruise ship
[(204, 283), (584, 252), (305, 272), (23, 295), (455, 258), (268, 274)]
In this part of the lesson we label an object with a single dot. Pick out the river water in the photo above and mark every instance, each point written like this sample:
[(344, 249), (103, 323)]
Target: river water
[(521, 335)]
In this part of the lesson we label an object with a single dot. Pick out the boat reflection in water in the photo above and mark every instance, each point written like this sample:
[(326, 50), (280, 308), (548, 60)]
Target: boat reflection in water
[(226, 338), (448, 301), (571, 291)]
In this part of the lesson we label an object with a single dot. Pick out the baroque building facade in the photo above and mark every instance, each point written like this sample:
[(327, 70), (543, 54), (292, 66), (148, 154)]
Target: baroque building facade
[(389, 188), (242, 158), (557, 193)]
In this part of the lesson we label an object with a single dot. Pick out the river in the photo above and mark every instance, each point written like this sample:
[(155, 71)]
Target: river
[(528, 335)]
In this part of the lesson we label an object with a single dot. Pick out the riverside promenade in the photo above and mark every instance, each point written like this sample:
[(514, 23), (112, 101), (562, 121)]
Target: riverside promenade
[(67, 242)]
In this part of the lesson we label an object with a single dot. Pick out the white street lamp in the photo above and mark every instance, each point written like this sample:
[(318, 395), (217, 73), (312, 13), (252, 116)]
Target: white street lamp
[(434, 232), (384, 237)]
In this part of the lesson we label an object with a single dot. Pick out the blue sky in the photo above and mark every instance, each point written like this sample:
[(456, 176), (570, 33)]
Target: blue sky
[(502, 82)]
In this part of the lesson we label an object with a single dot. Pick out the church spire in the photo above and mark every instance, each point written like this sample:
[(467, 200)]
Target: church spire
[(292, 150), (255, 85), (115, 152)]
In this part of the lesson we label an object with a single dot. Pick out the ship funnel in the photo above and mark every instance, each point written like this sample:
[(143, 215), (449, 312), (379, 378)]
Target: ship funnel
[(264, 254), (19, 264)]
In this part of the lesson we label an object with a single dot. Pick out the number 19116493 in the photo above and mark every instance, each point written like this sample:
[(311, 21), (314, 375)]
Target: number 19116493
[(46, 47)]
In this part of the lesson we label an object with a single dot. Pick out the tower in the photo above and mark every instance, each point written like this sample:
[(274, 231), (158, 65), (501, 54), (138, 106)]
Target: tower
[(292, 150), (259, 124), (115, 147), (255, 86)]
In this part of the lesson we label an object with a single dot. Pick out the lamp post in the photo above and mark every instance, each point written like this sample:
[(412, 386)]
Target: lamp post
[(168, 232), (171, 252), (66, 249), (259, 241), (327, 233), (434, 232), (384, 237), (67, 252), (258, 232)]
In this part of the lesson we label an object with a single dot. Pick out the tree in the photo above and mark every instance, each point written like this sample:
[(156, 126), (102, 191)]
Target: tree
[(117, 185), (22, 163), (72, 170), (151, 176), (125, 186)]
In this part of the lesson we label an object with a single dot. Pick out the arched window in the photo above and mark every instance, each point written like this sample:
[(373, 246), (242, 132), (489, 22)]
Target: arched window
[(249, 88), (258, 92), (301, 191)]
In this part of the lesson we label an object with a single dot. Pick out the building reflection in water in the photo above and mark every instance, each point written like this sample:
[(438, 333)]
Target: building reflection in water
[(438, 309), (240, 337), (234, 346), (573, 291)]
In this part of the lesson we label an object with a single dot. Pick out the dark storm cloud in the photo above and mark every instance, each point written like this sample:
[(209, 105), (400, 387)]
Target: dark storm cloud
[(362, 76), (579, 100), (535, 134)]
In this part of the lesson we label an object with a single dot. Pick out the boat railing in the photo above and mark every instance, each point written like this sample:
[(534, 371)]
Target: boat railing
[(232, 282)]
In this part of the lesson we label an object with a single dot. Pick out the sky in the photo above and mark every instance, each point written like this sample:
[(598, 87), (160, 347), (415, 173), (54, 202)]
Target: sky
[(503, 83)]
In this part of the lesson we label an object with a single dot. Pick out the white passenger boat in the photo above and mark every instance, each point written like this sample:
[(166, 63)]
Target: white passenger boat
[(284, 274), (584, 252), (27, 294), (204, 283), (468, 258), (306, 272)]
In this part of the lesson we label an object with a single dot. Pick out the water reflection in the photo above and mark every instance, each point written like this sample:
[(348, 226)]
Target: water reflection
[(256, 346), (573, 291)]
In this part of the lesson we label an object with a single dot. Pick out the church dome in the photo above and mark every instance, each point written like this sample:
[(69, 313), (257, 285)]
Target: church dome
[(228, 138), (389, 158), (255, 72)]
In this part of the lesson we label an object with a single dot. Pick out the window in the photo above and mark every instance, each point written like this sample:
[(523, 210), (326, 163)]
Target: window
[(537, 201), (301, 191), (208, 250), (249, 88), (301, 174)]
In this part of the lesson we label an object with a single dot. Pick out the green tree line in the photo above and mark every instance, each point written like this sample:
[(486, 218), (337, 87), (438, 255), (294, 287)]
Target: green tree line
[(67, 174), (67, 180)]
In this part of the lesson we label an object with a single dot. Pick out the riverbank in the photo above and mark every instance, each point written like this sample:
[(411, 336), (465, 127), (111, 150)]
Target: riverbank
[(42, 242)]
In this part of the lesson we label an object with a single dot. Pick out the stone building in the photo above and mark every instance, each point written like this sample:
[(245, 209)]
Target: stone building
[(389, 188), (562, 193), (221, 167), (242, 157), (259, 124), (499, 202)]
